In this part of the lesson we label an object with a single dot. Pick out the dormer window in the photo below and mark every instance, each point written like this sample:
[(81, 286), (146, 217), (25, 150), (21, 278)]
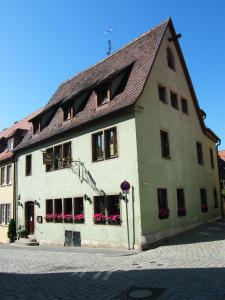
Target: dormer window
[(10, 144), (170, 59), (36, 126), (103, 94), (68, 112)]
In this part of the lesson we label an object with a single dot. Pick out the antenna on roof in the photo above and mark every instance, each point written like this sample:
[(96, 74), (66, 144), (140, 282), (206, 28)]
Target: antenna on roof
[(108, 32)]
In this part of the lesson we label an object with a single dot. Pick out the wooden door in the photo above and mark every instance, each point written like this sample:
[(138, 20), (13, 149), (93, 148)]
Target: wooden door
[(30, 217)]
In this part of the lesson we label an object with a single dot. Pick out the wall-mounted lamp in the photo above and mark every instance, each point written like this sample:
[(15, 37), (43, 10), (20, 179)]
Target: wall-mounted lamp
[(86, 198), (122, 196), (20, 204), (36, 203)]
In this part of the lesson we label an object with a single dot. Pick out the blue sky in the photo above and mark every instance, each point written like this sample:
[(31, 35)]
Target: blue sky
[(45, 42)]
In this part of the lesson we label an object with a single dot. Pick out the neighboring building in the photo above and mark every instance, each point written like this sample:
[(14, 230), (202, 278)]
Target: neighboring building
[(134, 116), (9, 139), (222, 168)]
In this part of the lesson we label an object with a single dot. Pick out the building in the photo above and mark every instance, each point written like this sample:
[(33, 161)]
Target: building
[(222, 168), (9, 139), (132, 117)]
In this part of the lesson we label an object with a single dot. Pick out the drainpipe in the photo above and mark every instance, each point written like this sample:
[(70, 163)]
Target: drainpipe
[(16, 189), (219, 173), (128, 234), (133, 217)]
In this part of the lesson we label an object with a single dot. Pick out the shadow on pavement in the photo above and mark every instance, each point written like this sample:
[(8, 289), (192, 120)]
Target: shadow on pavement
[(205, 233)]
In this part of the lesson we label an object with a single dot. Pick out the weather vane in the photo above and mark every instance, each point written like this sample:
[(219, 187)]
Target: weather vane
[(108, 33)]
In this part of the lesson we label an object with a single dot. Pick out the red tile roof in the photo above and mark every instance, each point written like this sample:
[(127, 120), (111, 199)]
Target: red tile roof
[(8, 132), (222, 154)]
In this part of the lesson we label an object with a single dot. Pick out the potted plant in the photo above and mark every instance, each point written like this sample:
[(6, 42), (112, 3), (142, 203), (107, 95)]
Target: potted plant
[(21, 231), (99, 218), (79, 218), (164, 213), (50, 217), (114, 219), (181, 211), (58, 218), (12, 231), (68, 218)]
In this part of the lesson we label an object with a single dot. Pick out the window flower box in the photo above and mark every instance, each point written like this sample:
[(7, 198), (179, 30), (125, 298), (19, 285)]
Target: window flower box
[(58, 218), (204, 208), (99, 219), (181, 211), (79, 218), (114, 220), (68, 218), (50, 217), (164, 213)]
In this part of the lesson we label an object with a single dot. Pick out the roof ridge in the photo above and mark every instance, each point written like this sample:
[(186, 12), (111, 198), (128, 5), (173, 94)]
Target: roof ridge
[(117, 51)]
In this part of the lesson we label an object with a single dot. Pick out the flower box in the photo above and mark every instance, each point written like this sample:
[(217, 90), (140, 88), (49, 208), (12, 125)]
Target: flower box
[(204, 208), (79, 218), (114, 220), (164, 213), (68, 218), (181, 211), (99, 219)]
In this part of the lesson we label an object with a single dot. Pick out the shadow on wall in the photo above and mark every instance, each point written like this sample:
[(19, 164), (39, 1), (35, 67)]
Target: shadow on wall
[(205, 233), (201, 284)]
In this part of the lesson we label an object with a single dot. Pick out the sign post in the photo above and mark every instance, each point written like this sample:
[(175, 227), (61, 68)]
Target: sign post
[(125, 187)]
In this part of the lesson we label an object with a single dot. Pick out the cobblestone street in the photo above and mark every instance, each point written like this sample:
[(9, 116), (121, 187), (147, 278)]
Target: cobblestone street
[(189, 266)]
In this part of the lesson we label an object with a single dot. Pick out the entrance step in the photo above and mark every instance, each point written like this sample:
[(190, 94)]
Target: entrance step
[(27, 242)]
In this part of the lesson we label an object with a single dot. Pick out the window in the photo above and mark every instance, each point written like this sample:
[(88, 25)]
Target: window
[(67, 155), (173, 99), (28, 165), (216, 205), (9, 174), (107, 210), (3, 176), (5, 214), (199, 153), (68, 112), (184, 106), (162, 93), (98, 146), (211, 158), (49, 165), (103, 94), (181, 211), (59, 156), (163, 204), (36, 126), (68, 210), (204, 206), (110, 143), (104, 144), (79, 210), (58, 210), (165, 144), (170, 59), (10, 144), (49, 210)]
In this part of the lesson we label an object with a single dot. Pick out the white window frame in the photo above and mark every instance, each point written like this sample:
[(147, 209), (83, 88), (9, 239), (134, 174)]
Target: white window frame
[(5, 213)]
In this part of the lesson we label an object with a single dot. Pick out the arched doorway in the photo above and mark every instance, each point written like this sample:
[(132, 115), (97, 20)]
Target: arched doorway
[(29, 217)]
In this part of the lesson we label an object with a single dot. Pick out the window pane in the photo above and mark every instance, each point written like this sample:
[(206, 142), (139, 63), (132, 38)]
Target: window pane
[(103, 95), (49, 166), (215, 199), (99, 209), (184, 106), (111, 142), (58, 157), (204, 206), (67, 155), (174, 101), (170, 59), (9, 174), (3, 176), (211, 158), (49, 206), (58, 206), (98, 146)]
